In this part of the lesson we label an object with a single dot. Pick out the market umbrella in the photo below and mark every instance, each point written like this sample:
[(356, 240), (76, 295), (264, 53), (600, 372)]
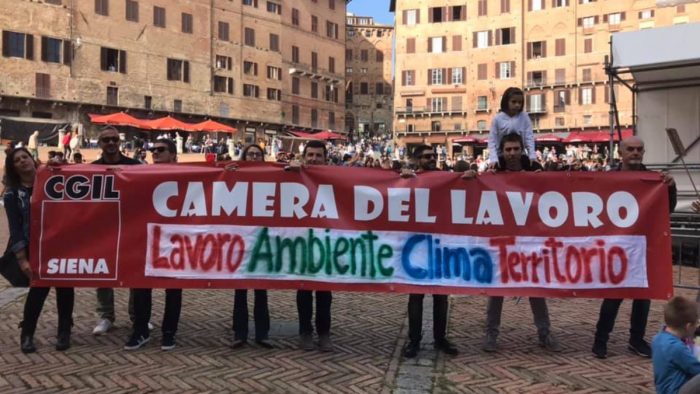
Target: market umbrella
[(116, 119), (329, 135), (167, 123), (213, 127)]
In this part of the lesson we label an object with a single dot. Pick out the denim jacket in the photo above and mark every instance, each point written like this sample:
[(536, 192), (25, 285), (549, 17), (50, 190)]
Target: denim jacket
[(17, 210)]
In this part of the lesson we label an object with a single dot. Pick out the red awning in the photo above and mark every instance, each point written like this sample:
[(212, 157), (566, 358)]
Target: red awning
[(466, 140), (213, 127), (596, 136), (329, 135), (167, 123), (116, 119), (302, 134), (547, 138)]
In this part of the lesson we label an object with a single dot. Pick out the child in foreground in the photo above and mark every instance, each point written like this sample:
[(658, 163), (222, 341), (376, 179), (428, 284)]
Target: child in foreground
[(676, 367), (511, 119)]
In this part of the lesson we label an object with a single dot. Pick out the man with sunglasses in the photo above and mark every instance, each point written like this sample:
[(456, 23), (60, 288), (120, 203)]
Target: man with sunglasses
[(163, 151), (426, 160), (631, 153), (111, 155)]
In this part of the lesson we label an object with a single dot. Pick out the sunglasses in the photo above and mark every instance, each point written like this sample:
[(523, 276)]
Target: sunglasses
[(159, 149), (107, 140), (253, 154)]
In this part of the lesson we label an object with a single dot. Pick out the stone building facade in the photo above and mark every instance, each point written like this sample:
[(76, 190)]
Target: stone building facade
[(368, 74), (454, 60)]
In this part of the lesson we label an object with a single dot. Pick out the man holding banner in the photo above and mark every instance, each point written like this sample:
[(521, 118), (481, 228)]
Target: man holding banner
[(631, 152), (111, 155), (513, 160), (426, 160), (314, 153), (164, 151)]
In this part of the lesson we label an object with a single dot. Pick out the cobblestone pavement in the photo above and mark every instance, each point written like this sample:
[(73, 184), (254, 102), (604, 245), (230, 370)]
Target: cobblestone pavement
[(368, 332)]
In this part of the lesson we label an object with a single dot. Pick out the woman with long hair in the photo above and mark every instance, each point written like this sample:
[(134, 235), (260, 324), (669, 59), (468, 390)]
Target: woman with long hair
[(20, 172), (261, 313)]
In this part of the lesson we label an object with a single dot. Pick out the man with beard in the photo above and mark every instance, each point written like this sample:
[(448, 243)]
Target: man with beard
[(314, 153), (514, 160), (108, 141), (426, 160), (631, 153)]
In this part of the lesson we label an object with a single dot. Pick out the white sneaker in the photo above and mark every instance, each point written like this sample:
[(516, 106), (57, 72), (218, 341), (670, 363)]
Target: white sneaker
[(102, 327)]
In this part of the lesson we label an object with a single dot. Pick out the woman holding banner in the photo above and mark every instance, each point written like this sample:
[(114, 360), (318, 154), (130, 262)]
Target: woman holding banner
[(261, 313), (20, 172)]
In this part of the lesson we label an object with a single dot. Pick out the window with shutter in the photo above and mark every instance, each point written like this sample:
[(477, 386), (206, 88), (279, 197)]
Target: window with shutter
[(456, 43), (560, 47), (410, 45), (43, 85), (482, 73)]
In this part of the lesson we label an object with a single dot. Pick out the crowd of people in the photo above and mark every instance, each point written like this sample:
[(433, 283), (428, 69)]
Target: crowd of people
[(674, 362)]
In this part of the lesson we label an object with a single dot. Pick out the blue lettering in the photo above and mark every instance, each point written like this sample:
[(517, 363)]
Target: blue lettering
[(413, 272)]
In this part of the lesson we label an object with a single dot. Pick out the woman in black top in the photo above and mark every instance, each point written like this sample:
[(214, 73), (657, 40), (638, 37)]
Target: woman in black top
[(20, 172), (261, 313)]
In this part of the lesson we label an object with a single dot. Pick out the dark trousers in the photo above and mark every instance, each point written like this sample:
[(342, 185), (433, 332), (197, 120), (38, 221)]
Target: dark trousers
[(143, 301), (415, 317), (261, 315), (608, 314), (65, 298), (305, 306)]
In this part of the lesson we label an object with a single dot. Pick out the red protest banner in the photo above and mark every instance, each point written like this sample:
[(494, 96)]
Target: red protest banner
[(330, 228)]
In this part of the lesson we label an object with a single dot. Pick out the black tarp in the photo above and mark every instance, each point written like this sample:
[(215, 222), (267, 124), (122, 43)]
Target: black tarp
[(19, 129)]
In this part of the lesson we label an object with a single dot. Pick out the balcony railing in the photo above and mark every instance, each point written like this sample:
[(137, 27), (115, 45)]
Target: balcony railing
[(410, 110), (533, 83)]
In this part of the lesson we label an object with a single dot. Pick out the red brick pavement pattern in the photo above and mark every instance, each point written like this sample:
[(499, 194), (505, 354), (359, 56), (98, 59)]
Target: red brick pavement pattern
[(365, 331), (521, 366)]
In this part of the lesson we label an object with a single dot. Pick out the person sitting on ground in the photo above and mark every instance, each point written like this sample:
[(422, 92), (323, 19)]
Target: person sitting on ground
[(676, 367)]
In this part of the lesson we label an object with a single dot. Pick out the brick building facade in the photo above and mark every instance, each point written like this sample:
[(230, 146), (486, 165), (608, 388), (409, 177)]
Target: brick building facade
[(253, 64)]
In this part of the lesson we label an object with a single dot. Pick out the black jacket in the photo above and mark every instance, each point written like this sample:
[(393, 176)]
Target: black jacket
[(672, 197)]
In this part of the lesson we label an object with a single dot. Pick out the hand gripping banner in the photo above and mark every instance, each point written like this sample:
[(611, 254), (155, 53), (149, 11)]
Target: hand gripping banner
[(560, 234)]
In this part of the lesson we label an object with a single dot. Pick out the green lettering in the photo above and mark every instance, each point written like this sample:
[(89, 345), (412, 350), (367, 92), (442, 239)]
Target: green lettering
[(385, 252), (341, 247), (353, 256), (263, 241), (313, 243), (370, 237)]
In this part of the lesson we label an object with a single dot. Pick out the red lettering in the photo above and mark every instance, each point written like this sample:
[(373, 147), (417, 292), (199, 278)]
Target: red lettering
[(617, 278), (553, 245), (572, 252), (158, 260), (536, 261), (193, 254), (236, 241), (206, 252), (177, 257), (513, 262), (502, 243), (208, 244), (588, 256), (524, 258), (222, 240)]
